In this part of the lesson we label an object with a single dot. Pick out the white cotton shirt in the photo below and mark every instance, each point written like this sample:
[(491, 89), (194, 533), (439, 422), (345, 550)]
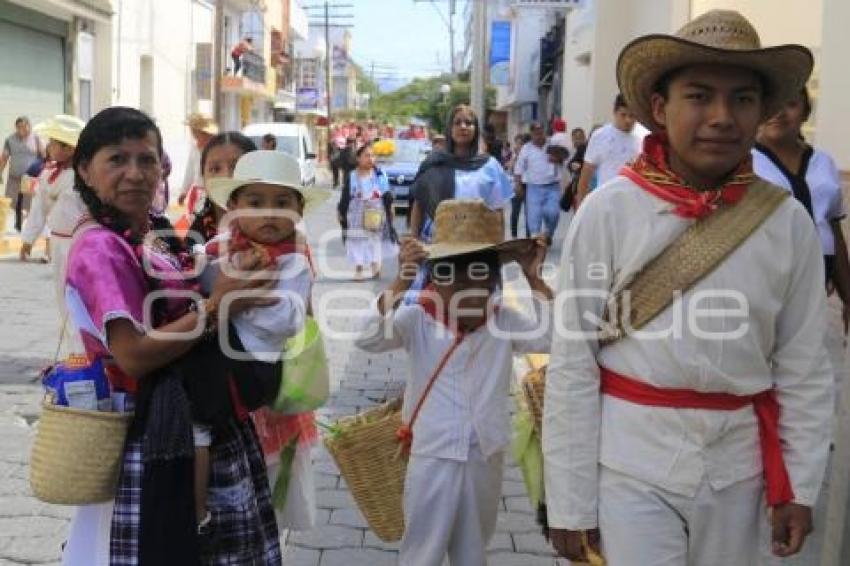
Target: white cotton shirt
[(470, 399), (610, 148), (824, 185), (777, 277), (56, 205), (264, 330), (534, 167)]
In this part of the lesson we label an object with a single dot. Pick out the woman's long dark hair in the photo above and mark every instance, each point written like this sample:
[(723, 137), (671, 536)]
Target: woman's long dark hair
[(110, 127), (450, 142), (241, 141), (205, 223)]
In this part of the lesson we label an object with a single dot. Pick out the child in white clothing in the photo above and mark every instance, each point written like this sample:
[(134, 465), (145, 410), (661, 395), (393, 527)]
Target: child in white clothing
[(266, 202), (461, 339)]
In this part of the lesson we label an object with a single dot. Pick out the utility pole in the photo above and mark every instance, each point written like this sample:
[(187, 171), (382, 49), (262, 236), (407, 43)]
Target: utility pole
[(479, 65), (218, 49), (328, 20)]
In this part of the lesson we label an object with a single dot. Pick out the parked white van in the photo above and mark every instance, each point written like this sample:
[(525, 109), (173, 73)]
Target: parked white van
[(293, 139)]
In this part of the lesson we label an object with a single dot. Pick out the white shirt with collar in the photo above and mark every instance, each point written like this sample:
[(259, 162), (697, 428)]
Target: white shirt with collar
[(609, 148), (824, 185), (778, 343), (534, 167), (469, 401)]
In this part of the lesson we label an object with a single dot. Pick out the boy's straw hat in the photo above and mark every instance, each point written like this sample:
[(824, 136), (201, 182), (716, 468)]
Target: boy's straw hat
[(62, 128), (261, 166), (202, 123), (465, 226), (720, 37)]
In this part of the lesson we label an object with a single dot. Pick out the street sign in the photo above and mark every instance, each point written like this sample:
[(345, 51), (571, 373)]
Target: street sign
[(500, 53), (549, 3), (307, 98)]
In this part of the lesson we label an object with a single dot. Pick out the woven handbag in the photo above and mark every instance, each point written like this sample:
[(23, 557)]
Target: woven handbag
[(373, 219), (76, 456)]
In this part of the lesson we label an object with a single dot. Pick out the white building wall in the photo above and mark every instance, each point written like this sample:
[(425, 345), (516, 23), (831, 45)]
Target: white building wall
[(595, 36), (158, 38)]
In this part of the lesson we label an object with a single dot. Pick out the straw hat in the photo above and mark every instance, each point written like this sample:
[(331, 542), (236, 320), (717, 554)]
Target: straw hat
[(465, 226), (266, 167), (720, 37), (62, 128), (202, 123)]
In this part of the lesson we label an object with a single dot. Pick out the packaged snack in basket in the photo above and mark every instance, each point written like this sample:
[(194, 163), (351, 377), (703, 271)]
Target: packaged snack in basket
[(78, 383)]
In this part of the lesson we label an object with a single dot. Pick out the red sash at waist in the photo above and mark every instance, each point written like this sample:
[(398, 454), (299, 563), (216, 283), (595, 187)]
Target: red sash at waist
[(765, 405)]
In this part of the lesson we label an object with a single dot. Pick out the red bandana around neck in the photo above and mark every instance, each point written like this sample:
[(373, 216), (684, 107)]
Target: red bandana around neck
[(240, 242), (651, 172), (55, 169)]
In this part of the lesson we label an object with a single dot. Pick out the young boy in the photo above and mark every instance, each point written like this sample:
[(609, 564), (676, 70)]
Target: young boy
[(461, 339), (265, 203), (666, 444)]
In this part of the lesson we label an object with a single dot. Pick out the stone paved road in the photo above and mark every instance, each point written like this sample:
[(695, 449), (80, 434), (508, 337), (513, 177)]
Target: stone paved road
[(31, 532)]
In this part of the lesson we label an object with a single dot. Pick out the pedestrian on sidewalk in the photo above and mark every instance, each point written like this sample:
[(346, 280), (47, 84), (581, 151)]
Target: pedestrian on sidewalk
[(268, 181), (784, 157), (244, 46), (461, 338), (371, 235), (56, 204), (518, 198), (217, 160), (542, 179), (347, 164), (20, 151), (152, 519), (663, 441), (610, 147)]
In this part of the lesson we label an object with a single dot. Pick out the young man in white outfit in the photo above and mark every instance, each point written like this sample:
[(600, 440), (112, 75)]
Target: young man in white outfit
[(610, 147), (652, 443)]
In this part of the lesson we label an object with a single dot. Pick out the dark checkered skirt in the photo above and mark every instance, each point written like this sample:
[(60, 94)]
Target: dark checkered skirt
[(243, 531)]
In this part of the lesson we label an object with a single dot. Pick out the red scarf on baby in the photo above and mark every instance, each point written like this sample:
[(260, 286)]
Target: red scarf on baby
[(239, 242), (651, 172)]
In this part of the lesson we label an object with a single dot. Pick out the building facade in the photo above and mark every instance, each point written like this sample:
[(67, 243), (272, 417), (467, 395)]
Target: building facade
[(56, 58)]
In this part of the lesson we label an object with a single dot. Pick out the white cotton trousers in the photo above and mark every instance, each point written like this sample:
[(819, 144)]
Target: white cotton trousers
[(646, 525), (450, 508)]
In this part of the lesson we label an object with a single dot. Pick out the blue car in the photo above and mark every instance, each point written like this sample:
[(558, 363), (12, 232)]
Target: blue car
[(401, 168)]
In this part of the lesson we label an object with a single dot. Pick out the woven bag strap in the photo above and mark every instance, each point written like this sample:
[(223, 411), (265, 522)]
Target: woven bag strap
[(687, 260), (405, 433)]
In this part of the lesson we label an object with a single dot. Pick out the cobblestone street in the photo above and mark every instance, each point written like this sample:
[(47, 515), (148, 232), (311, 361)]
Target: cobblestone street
[(32, 532)]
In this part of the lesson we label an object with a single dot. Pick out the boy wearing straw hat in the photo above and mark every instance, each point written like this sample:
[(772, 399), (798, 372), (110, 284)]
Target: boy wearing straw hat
[(703, 388), (460, 338)]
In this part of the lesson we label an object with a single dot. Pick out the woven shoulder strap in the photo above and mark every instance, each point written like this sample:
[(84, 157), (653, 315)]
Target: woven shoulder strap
[(687, 260)]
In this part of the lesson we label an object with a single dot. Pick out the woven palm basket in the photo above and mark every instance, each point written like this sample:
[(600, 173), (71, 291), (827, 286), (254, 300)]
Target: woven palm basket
[(76, 455), (533, 386), (367, 453)]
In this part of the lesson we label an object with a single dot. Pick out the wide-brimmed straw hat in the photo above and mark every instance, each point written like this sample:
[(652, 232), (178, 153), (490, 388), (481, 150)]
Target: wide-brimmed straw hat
[(465, 226), (261, 166), (202, 123), (721, 37), (62, 128)]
